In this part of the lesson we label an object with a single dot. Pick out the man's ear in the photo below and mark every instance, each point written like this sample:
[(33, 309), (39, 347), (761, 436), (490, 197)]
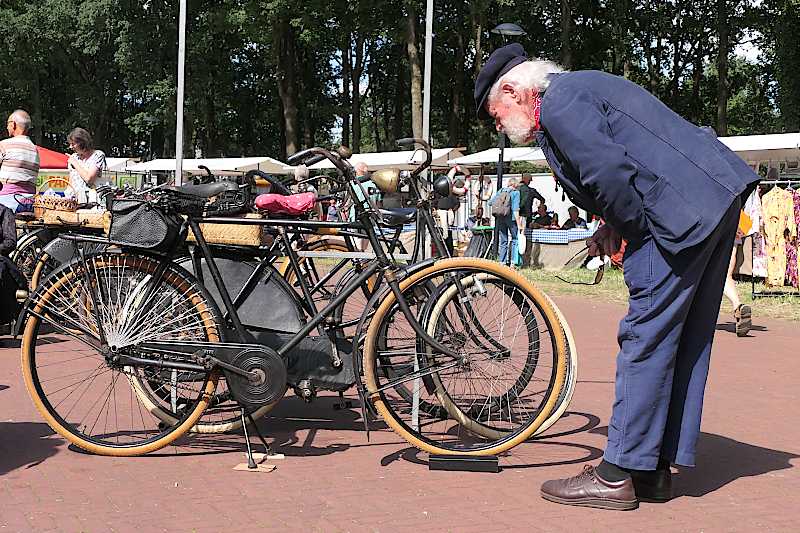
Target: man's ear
[(510, 90)]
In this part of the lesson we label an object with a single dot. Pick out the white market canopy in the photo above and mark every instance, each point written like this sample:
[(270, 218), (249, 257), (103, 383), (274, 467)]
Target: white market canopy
[(223, 165), (492, 155), (118, 164), (402, 160), (752, 148), (765, 148)]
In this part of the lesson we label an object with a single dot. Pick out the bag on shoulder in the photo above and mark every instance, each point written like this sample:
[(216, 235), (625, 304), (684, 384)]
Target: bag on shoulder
[(501, 206)]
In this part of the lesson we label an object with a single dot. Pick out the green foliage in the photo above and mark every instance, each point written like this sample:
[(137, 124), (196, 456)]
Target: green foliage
[(110, 66)]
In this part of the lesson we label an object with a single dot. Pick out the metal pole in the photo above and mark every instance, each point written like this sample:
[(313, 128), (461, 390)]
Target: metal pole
[(501, 144), (426, 99), (179, 105), (426, 134)]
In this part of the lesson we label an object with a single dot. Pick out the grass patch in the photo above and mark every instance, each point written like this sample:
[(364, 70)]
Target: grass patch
[(613, 289)]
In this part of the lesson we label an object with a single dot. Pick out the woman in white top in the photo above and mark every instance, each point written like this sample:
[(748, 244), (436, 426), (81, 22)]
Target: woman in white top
[(86, 165)]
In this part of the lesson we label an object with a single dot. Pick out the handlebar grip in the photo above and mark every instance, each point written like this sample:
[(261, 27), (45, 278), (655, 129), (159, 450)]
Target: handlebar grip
[(277, 186), (299, 157), (314, 160)]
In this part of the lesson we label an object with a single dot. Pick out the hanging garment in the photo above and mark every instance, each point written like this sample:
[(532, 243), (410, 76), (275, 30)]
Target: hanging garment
[(752, 207), (777, 209), (791, 263)]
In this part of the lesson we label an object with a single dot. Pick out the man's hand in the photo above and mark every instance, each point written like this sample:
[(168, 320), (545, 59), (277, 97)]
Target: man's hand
[(605, 241)]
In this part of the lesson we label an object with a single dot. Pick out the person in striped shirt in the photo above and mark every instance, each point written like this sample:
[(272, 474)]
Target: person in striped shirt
[(19, 161)]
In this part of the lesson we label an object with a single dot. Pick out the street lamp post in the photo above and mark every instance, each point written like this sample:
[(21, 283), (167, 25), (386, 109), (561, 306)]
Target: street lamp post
[(505, 30)]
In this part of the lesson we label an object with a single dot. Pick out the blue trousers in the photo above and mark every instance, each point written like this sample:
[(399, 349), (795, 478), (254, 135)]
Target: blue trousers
[(506, 225), (665, 346)]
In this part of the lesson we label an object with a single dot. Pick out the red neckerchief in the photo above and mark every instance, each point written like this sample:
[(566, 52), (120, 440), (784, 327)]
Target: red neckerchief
[(537, 109)]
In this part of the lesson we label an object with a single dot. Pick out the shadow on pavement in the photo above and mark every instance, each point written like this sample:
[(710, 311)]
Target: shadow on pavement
[(25, 445), (291, 429), (722, 460), (583, 452), (731, 327)]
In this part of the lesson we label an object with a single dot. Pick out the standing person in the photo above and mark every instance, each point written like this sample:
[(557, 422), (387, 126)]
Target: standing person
[(742, 314), (505, 208), (526, 196), (674, 193), (85, 165), (19, 161), (373, 195)]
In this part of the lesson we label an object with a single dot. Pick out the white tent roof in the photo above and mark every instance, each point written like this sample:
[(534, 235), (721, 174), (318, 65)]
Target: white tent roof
[(751, 148), (118, 164), (765, 148), (224, 165), (402, 160), (530, 154)]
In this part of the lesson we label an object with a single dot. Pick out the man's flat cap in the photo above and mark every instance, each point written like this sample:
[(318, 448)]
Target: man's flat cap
[(500, 62)]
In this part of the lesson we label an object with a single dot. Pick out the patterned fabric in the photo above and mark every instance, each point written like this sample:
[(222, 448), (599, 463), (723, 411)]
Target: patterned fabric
[(753, 209), (19, 163), (791, 262), (778, 212), (537, 110), (557, 236), (81, 188)]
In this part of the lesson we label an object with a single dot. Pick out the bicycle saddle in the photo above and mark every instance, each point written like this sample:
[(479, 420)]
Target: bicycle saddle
[(206, 190), (399, 216)]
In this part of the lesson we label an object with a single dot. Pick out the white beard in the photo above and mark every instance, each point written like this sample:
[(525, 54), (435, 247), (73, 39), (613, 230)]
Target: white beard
[(518, 129)]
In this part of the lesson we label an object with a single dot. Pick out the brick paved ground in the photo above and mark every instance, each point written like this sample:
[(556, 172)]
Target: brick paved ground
[(334, 480)]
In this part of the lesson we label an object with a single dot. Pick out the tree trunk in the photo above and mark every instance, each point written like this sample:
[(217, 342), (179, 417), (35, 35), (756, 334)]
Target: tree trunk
[(398, 126), (620, 36), (412, 48), (457, 92), (357, 71), (36, 112), (346, 102), (723, 37), (287, 85), (566, 34)]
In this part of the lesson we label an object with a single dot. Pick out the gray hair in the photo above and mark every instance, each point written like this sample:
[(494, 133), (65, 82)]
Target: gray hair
[(513, 182), (533, 74), (23, 119)]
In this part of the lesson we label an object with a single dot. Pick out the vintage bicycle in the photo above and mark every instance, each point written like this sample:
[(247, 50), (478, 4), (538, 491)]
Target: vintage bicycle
[(139, 320)]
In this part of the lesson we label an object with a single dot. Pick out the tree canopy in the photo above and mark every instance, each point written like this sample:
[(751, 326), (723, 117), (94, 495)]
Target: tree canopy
[(270, 77)]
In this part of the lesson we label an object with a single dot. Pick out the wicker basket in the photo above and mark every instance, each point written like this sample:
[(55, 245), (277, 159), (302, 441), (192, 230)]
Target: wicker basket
[(233, 234), (47, 202), (86, 218)]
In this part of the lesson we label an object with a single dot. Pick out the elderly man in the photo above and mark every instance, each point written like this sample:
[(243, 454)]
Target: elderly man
[(673, 192), (19, 161)]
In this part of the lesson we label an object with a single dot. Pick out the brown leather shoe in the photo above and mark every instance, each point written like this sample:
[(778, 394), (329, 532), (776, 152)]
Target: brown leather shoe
[(653, 486), (588, 489)]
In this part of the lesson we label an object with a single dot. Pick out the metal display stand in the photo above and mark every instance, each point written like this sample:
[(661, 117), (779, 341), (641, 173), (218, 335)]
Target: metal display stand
[(767, 293)]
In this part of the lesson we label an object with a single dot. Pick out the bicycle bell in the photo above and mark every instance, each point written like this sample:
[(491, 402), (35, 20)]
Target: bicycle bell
[(386, 179)]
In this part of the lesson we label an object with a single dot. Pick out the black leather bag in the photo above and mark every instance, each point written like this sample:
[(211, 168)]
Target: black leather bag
[(137, 224)]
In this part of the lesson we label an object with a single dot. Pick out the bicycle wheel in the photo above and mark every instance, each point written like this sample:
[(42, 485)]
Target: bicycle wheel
[(447, 311), (485, 363), (28, 249), (81, 391)]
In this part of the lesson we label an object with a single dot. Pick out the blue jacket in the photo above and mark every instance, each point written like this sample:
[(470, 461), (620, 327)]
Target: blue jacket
[(621, 153)]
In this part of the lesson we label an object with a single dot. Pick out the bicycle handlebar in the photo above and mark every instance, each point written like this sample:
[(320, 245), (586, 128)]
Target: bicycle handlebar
[(278, 187)]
